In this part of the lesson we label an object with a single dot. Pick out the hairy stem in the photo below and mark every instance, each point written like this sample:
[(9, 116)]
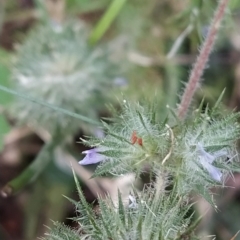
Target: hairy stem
[(202, 60)]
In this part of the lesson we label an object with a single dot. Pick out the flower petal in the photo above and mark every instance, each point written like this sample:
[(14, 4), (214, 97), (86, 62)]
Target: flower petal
[(206, 159), (92, 157), (213, 171), (120, 81), (207, 156)]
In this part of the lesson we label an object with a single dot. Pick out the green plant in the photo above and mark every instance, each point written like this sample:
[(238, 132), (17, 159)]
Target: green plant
[(57, 65), (186, 153)]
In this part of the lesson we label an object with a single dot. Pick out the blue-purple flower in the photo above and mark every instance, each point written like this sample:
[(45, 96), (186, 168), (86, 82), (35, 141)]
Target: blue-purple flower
[(120, 82), (207, 159), (92, 156)]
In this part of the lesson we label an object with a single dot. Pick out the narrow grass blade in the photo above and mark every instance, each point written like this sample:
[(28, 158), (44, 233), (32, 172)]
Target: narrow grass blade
[(40, 102), (106, 21)]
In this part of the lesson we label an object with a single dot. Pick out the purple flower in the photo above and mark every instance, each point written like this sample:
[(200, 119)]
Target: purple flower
[(206, 159), (92, 156), (120, 81)]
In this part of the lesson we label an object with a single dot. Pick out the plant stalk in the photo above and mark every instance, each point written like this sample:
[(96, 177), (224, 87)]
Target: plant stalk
[(106, 21), (202, 60), (31, 172)]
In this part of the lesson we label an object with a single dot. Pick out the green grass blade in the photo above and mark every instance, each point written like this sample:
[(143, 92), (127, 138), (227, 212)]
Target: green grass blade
[(106, 21), (40, 102)]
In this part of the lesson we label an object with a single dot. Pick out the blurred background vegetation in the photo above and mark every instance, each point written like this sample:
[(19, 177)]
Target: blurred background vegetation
[(134, 50)]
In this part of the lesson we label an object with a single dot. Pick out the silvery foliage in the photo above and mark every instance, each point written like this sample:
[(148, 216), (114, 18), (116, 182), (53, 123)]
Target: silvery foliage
[(59, 66), (191, 156)]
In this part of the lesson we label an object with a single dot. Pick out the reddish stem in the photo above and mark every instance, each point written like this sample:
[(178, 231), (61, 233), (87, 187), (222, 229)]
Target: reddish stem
[(202, 60)]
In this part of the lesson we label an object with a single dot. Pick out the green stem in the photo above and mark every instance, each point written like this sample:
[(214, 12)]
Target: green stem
[(33, 210), (31, 172), (106, 21)]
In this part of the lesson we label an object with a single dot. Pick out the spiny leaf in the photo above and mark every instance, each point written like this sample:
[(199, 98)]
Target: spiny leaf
[(86, 207), (142, 121), (105, 168), (121, 209), (216, 105), (206, 195), (120, 138)]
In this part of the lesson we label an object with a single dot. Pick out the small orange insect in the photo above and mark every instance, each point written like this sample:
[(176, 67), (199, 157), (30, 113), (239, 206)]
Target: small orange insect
[(135, 138), (140, 142)]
